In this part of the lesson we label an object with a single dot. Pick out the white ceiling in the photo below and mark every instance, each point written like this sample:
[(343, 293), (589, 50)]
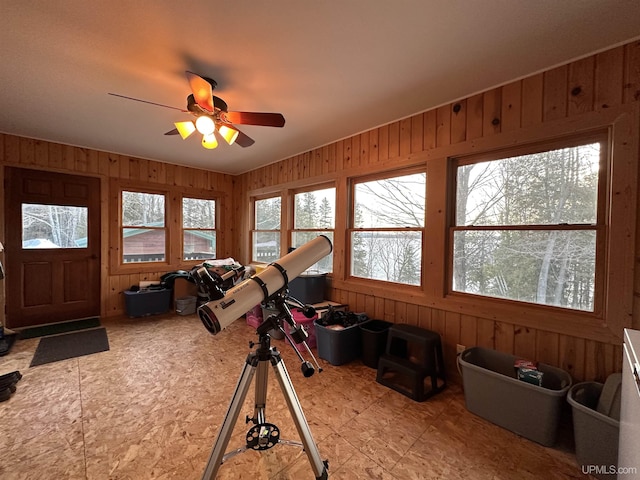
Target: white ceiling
[(333, 68)]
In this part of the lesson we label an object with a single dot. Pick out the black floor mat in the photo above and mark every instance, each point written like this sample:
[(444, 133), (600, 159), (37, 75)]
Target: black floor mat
[(57, 328), (70, 345)]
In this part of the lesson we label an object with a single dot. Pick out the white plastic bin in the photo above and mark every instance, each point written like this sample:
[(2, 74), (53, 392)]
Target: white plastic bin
[(492, 391)]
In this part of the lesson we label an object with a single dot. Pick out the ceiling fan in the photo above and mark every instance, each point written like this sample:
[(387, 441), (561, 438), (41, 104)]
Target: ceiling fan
[(213, 117)]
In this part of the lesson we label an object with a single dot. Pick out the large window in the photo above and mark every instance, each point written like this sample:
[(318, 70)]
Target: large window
[(313, 215), (265, 238), (144, 232), (163, 227), (388, 220), (528, 226), (198, 228)]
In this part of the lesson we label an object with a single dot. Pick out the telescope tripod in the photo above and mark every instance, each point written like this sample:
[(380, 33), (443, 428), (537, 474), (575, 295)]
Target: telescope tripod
[(264, 435)]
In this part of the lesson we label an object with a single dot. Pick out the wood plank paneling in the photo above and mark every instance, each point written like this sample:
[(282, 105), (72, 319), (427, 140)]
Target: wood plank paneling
[(555, 93), (532, 107), (417, 133), (581, 86), (511, 106), (609, 77), (632, 72), (405, 136), (443, 126), (459, 122), (429, 123), (382, 143), (474, 116), (394, 139), (491, 112), (571, 356)]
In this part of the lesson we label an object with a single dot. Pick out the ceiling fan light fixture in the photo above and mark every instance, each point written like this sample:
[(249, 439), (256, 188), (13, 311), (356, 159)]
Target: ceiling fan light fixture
[(185, 128), (205, 125), (228, 133), (209, 141)]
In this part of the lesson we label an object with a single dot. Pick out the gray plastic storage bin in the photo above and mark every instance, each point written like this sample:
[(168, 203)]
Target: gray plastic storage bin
[(492, 391), (186, 305), (596, 425)]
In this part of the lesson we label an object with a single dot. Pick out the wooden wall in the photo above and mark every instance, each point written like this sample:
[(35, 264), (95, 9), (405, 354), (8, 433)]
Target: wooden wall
[(533, 107), (40, 155)]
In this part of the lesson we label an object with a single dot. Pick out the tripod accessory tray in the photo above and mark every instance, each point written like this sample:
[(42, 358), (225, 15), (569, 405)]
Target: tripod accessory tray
[(263, 436)]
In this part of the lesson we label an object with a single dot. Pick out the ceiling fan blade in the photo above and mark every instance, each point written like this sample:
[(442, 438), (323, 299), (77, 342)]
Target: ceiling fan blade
[(173, 132), (255, 118), (150, 103), (244, 140), (202, 91)]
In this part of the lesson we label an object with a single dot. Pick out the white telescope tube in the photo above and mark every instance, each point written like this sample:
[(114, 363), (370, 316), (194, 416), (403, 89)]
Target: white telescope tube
[(219, 314)]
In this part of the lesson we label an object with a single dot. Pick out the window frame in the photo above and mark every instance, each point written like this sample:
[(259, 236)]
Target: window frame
[(173, 218), (253, 230), (183, 230), (600, 136), (351, 228), (319, 231), (164, 228)]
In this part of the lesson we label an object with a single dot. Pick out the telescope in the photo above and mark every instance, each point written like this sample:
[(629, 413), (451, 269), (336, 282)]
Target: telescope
[(219, 313), (224, 309)]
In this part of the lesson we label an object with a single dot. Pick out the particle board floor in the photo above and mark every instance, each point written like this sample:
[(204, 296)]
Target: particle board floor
[(150, 407)]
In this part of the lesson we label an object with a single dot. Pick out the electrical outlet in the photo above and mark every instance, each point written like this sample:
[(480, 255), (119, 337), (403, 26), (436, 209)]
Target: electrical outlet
[(460, 349)]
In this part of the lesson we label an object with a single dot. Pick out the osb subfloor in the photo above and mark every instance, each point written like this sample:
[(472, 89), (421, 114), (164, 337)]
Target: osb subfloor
[(151, 406)]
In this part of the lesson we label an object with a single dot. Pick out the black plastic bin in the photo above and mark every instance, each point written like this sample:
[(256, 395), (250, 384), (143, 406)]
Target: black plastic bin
[(147, 302), (338, 346), (374, 341), (308, 287)]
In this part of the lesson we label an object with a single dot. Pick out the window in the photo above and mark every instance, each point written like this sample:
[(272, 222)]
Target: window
[(266, 232), (528, 226), (388, 227), (53, 226), (198, 228), (144, 232), (313, 215)]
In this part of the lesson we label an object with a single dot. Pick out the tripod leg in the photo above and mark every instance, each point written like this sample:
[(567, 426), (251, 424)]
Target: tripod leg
[(230, 419), (259, 415), (310, 447)]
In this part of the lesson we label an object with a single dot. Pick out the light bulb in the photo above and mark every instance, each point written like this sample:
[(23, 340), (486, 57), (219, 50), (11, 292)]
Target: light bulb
[(205, 125), (209, 141), (228, 133), (185, 128)]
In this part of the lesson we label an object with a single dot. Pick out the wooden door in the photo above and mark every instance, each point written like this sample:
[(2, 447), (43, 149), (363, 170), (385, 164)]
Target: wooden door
[(52, 251)]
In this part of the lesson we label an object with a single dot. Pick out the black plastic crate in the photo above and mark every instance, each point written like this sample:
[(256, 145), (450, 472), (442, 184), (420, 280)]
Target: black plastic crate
[(147, 302), (338, 346)]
